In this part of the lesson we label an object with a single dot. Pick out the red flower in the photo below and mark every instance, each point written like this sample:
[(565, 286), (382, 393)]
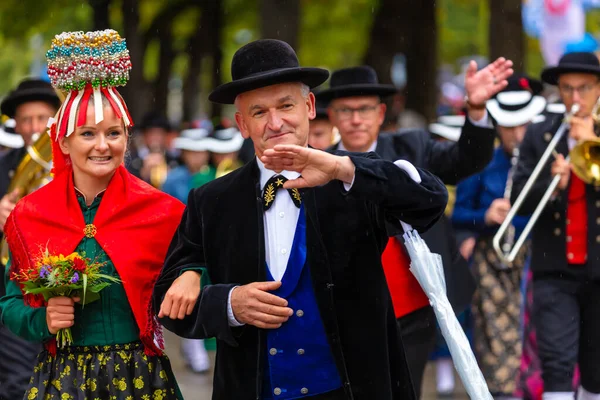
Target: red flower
[(524, 83), (79, 265)]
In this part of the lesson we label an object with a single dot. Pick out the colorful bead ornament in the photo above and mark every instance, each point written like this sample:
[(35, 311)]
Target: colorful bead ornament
[(100, 58), (88, 67)]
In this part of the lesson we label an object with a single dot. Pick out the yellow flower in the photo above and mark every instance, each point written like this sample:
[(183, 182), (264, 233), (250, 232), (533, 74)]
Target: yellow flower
[(66, 396), (129, 398), (150, 366), (92, 385), (32, 395), (159, 394), (122, 386), (145, 397), (138, 382), (71, 357), (163, 375), (56, 383)]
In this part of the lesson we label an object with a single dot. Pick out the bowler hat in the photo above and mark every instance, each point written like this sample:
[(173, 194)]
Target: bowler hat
[(581, 62), (263, 63), (320, 107), (355, 81), (27, 91)]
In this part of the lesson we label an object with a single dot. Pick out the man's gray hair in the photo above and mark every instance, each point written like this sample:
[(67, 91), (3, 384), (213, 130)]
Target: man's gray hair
[(304, 90)]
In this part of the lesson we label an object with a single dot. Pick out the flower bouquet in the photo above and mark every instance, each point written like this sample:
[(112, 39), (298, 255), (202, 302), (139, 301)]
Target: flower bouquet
[(72, 275)]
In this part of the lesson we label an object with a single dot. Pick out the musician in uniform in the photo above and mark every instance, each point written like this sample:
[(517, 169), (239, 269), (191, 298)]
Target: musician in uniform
[(482, 202), (355, 108), (31, 104), (565, 257), (288, 300)]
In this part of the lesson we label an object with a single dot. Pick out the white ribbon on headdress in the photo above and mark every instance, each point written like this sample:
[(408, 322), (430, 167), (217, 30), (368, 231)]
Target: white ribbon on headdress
[(73, 113), (98, 110), (62, 114), (120, 105)]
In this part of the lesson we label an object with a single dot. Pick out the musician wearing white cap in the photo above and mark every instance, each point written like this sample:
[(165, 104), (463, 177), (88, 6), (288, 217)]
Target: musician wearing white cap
[(482, 203)]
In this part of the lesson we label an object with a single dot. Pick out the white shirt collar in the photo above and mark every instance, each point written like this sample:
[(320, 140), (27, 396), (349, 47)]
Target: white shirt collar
[(371, 148), (266, 174)]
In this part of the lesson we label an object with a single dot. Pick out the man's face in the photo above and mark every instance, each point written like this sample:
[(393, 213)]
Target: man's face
[(320, 135), (276, 114), (358, 120), (32, 117), (511, 137), (155, 139), (578, 88)]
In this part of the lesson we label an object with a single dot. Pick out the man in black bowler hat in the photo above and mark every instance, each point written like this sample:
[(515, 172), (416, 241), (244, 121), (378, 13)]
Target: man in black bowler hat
[(565, 255), (31, 104), (286, 240), (355, 108)]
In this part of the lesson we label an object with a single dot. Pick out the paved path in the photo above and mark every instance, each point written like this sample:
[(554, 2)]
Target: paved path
[(199, 387)]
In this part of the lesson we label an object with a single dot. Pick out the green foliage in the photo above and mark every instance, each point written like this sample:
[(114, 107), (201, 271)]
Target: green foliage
[(462, 29), (335, 34), (19, 49)]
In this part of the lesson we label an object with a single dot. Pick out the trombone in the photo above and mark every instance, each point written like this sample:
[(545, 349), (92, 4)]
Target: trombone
[(581, 149)]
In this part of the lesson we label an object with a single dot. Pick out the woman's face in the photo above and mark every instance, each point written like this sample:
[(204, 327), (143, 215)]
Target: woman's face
[(96, 150)]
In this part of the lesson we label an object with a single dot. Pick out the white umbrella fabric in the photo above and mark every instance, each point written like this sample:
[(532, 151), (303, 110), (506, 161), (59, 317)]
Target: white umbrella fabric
[(429, 272)]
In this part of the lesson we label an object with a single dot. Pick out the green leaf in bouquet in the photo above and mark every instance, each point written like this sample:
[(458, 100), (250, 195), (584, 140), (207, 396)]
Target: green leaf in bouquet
[(90, 298), (99, 286), (112, 279)]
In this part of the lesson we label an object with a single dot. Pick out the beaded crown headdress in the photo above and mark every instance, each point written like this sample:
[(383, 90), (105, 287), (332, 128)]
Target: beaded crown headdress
[(87, 65)]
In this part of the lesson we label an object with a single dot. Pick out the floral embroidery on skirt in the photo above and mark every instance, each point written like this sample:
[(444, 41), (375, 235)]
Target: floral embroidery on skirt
[(119, 372)]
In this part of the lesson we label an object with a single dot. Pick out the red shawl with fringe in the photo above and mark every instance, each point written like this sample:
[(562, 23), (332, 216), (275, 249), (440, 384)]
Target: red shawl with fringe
[(134, 225)]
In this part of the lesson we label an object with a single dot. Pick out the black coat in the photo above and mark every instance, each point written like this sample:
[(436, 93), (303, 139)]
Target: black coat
[(548, 239), (222, 230), (8, 164), (451, 162)]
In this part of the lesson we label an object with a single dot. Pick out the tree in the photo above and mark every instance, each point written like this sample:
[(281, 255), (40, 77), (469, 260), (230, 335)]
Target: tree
[(280, 19), (100, 14), (506, 36), (408, 27)]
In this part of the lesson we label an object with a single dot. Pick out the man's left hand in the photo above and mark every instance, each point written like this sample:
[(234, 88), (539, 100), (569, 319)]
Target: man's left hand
[(181, 297), (482, 85), (317, 167)]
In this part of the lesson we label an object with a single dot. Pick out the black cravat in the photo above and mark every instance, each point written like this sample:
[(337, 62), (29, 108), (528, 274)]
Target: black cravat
[(271, 188)]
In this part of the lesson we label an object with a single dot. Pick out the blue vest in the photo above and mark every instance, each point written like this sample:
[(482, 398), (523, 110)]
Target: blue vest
[(299, 359)]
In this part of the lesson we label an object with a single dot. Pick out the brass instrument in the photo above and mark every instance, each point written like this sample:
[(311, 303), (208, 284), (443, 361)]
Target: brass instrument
[(585, 159), (32, 173), (226, 166), (158, 174)]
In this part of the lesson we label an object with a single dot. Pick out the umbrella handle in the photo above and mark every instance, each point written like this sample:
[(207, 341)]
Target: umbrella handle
[(414, 175)]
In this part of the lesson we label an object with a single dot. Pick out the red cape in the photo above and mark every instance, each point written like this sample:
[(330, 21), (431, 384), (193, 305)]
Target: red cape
[(134, 224)]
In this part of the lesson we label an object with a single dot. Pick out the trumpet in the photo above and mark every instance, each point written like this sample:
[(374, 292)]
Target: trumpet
[(585, 158)]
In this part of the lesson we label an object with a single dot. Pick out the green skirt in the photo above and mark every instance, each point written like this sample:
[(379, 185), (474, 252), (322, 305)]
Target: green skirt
[(119, 372)]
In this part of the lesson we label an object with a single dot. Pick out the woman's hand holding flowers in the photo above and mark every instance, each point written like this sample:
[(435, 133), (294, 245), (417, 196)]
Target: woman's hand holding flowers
[(60, 313)]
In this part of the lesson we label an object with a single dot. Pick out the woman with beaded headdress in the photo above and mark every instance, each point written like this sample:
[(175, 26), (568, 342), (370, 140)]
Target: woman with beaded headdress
[(93, 206)]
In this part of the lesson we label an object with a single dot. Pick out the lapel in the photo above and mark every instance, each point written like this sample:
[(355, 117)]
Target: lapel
[(315, 247), (241, 209)]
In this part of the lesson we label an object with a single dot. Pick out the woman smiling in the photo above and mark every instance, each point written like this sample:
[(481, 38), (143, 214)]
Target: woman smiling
[(96, 208)]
